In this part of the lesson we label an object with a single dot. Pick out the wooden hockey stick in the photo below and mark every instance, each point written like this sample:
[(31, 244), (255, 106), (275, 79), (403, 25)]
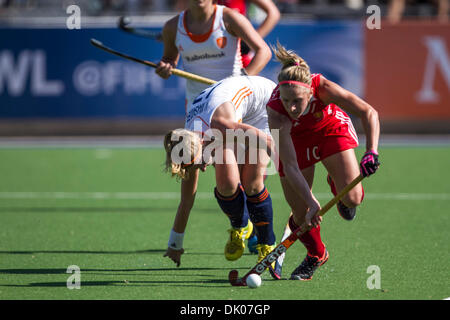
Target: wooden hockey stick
[(233, 276), (176, 72)]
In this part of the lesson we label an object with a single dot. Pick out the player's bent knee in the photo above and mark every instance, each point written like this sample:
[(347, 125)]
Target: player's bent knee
[(353, 199), (253, 187), (227, 190)]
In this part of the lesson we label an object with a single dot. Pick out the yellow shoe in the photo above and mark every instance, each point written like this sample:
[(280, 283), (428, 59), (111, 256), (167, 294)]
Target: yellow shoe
[(263, 251), (236, 245)]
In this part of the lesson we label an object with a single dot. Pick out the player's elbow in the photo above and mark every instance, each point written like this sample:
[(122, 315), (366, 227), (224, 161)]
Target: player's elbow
[(275, 15), (221, 124), (371, 115), (265, 53), (290, 168)]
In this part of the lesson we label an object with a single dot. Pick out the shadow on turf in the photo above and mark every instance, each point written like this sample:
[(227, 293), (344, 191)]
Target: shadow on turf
[(96, 209), (152, 283), (120, 272), (152, 251), (183, 283), (63, 271)]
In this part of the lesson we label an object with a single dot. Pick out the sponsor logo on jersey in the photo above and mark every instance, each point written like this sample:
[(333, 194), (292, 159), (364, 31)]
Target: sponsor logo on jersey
[(204, 56), (221, 42), (195, 111)]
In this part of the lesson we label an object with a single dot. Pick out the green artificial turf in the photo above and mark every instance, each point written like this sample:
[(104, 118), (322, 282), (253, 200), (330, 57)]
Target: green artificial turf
[(109, 212)]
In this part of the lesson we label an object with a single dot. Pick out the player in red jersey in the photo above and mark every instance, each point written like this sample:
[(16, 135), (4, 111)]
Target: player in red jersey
[(306, 109), (272, 17), (272, 13)]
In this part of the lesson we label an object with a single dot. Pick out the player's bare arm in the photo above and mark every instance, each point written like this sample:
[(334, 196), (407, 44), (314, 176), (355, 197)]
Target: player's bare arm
[(239, 26), (171, 55), (272, 16), (288, 157), (188, 191), (223, 120), (330, 92)]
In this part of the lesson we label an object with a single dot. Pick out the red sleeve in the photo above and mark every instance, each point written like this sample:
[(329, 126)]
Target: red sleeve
[(315, 83), (275, 102)]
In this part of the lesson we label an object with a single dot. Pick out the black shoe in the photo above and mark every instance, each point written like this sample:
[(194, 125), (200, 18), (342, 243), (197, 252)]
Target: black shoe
[(307, 268), (344, 211)]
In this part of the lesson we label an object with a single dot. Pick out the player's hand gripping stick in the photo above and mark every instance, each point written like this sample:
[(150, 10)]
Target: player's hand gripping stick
[(233, 276)]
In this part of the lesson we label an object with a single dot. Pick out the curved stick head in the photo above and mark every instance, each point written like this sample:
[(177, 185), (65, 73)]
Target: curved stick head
[(124, 21), (233, 278), (96, 43)]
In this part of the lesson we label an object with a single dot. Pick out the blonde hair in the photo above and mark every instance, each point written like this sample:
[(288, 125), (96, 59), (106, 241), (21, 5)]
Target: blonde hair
[(190, 142), (293, 67)]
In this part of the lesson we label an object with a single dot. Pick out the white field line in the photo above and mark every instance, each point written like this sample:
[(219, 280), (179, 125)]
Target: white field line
[(200, 196)]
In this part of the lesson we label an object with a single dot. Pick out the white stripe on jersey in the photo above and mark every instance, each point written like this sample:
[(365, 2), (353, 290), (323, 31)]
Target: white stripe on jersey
[(346, 120)]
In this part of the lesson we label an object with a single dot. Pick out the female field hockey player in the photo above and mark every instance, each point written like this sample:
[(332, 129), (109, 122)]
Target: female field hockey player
[(207, 38), (306, 108), (272, 17), (268, 6), (236, 103)]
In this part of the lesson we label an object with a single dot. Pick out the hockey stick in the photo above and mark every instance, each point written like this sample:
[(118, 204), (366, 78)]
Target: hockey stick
[(276, 272), (176, 72), (124, 23), (233, 276)]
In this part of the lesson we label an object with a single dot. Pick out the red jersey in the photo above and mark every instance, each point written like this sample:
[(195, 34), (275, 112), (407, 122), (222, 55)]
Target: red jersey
[(317, 115), (238, 5), (322, 130)]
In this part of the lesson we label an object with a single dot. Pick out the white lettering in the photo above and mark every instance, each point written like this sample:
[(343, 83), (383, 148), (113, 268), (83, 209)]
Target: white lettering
[(374, 281), (112, 76), (14, 76), (314, 153), (40, 86), (92, 78), (74, 281), (437, 56), (374, 21), (87, 78), (74, 21)]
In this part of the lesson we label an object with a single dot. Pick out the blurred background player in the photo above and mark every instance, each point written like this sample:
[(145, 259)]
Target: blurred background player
[(236, 103), (396, 9), (306, 108), (270, 21), (272, 16), (206, 36)]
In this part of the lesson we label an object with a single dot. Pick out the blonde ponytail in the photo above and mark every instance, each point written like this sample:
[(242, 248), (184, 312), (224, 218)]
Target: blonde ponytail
[(293, 67), (190, 142)]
